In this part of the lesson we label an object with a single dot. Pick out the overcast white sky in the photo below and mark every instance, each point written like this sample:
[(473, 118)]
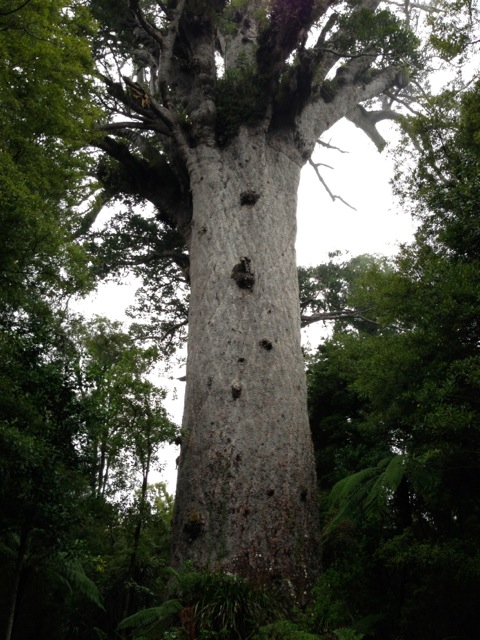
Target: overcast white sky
[(362, 178)]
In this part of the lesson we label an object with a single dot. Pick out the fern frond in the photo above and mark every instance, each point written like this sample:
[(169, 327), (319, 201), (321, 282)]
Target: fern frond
[(348, 494), (367, 489), (165, 613), (386, 484), (352, 486), (70, 572), (6, 550)]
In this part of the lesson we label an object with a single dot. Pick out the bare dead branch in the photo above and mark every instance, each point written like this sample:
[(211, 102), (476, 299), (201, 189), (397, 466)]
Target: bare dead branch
[(327, 145), (334, 197)]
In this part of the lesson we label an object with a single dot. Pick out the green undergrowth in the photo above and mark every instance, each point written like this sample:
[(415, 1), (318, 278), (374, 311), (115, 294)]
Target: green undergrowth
[(219, 606)]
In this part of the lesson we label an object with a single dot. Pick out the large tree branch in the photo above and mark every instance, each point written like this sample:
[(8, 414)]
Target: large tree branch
[(15, 9), (123, 125), (154, 33), (155, 181), (421, 6), (91, 215), (305, 83), (241, 45), (319, 115), (346, 314), (287, 31), (135, 98), (182, 260), (367, 120)]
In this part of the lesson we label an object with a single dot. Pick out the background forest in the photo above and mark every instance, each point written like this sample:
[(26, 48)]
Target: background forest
[(394, 390)]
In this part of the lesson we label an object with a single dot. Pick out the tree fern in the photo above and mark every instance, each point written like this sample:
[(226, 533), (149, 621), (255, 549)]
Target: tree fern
[(369, 490), (386, 484), (70, 571), (10, 550), (156, 619)]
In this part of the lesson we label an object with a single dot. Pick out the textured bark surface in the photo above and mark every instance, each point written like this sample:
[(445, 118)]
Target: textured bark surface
[(246, 495)]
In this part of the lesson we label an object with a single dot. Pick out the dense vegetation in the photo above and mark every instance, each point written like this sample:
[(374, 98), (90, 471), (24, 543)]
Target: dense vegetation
[(80, 422), (395, 411), (394, 397)]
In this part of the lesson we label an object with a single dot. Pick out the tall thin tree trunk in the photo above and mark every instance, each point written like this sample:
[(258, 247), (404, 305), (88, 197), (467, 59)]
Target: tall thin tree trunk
[(246, 492), (136, 537), (17, 575)]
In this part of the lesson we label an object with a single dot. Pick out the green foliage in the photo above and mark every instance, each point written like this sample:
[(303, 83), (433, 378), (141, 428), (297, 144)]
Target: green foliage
[(240, 100), (340, 286), (284, 630), (154, 621), (126, 417), (453, 32), (382, 32), (46, 116), (401, 425), (72, 573), (368, 491), (225, 605), (207, 606), (74, 405), (129, 245)]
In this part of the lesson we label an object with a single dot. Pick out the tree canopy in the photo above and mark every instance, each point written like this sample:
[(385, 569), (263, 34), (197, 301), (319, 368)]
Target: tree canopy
[(50, 409)]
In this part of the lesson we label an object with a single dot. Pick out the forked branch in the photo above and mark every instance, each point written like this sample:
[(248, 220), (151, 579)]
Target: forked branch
[(334, 197)]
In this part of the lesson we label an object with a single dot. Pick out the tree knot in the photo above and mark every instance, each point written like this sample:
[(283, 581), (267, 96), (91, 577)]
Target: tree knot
[(249, 197), (243, 275)]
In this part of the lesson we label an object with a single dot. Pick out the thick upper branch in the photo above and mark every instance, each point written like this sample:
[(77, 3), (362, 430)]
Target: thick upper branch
[(319, 115), (152, 179), (367, 120)]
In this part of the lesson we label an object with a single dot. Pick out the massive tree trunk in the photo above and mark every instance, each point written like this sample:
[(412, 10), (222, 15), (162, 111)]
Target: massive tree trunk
[(246, 493), (217, 149)]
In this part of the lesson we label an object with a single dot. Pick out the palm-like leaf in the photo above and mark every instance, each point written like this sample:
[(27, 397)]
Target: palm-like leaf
[(71, 573), (159, 618), (369, 490)]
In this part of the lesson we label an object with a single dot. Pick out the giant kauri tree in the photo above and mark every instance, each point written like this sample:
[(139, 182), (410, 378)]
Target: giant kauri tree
[(214, 108)]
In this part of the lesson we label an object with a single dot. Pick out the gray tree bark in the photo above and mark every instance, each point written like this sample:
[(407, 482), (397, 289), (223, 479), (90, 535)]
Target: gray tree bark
[(246, 493)]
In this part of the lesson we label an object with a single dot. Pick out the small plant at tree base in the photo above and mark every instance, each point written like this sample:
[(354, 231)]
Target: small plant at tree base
[(209, 606)]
